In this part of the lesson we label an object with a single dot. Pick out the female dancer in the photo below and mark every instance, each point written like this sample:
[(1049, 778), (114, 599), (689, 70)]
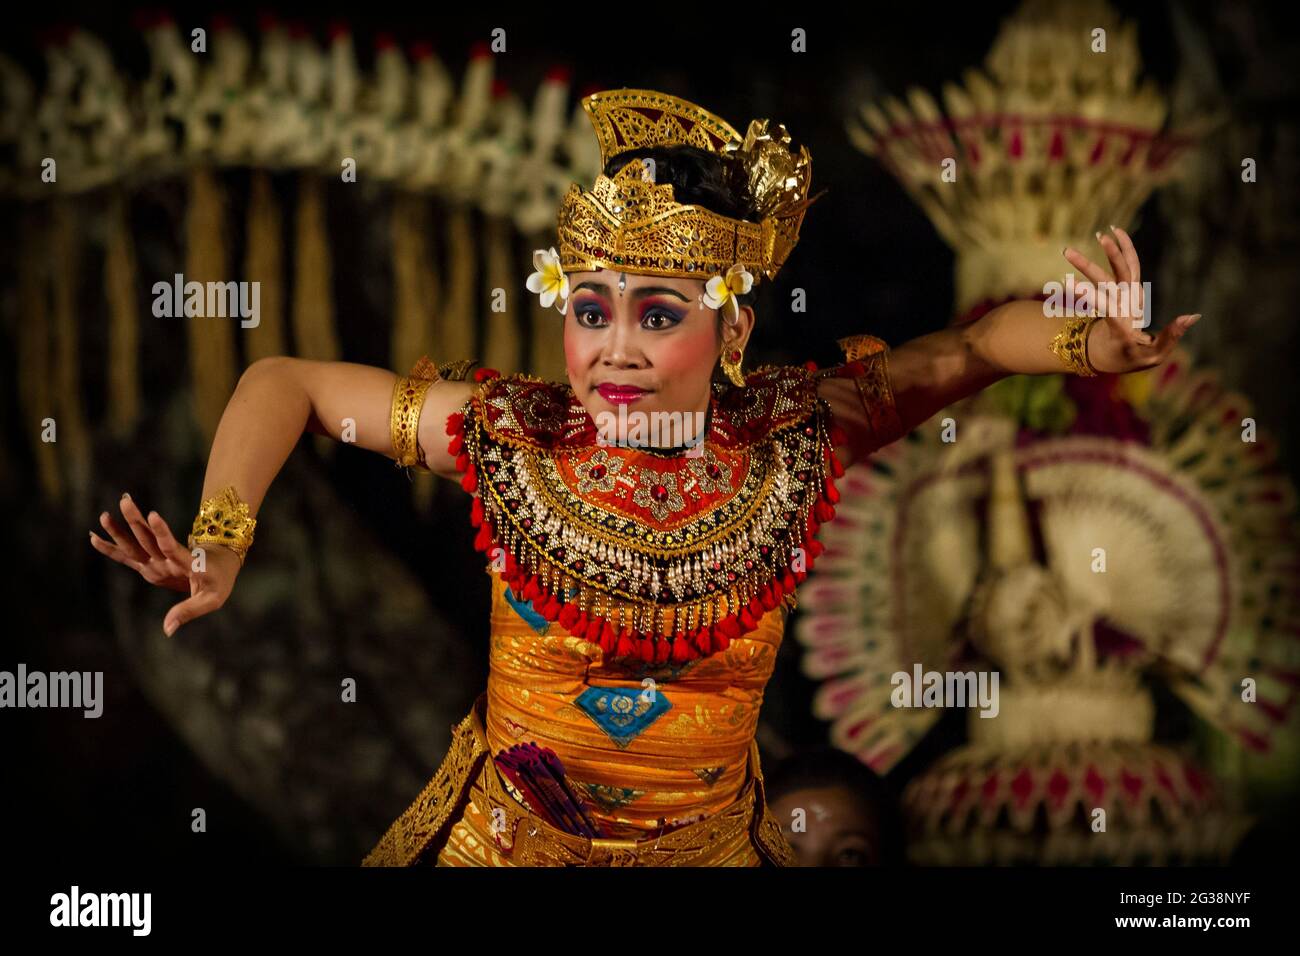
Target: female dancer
[(647, 523)]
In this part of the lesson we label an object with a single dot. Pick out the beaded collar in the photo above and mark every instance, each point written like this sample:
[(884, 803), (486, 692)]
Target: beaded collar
[(654, 556)]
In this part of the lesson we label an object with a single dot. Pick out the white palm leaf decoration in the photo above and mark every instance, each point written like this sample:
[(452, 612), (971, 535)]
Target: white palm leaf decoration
[(1198, 537), (863, 621)]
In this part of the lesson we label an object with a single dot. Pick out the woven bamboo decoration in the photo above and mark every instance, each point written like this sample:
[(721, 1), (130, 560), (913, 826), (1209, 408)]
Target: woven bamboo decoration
[(120, 274), (313, 287), (458, 338), (264, 263), (211, 338), (415, 282), (74, 440), (35, 353), (502, 337)]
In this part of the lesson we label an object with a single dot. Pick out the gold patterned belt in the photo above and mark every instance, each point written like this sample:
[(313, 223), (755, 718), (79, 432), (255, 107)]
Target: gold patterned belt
[(530, 840)]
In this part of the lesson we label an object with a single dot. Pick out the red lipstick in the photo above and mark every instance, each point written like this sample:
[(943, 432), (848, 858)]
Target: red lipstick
[(619, 394)]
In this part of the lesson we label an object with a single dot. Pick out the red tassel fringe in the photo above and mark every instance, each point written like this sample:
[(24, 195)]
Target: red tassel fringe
[(704, 640)]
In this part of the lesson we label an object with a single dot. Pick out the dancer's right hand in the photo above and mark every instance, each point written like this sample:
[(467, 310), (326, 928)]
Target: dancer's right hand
[(151, 549)]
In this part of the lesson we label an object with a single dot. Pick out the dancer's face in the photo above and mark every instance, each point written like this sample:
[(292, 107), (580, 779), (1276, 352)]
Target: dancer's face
[(654, 337)]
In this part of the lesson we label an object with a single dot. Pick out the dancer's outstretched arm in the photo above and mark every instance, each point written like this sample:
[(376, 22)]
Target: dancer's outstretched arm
[(275, 401), (933, 371)]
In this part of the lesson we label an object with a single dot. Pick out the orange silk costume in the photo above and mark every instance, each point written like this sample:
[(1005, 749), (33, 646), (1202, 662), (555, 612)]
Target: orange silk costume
[(639, 598)]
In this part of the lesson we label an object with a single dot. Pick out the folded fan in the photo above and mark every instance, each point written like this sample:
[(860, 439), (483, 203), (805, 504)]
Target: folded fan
[(538, 775)]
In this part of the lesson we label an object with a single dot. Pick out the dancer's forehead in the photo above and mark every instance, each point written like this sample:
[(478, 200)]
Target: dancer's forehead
[(610, 284)]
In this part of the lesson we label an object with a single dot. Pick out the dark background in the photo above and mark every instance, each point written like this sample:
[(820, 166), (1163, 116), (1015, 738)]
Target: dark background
[(123, 786)]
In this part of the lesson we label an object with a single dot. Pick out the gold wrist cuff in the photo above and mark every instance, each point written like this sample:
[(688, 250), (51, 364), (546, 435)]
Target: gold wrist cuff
[(875, 387), (404, 423), (224, 519), (1071, 344)]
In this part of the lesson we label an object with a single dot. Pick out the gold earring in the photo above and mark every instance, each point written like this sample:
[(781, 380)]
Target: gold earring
[(731, 364)]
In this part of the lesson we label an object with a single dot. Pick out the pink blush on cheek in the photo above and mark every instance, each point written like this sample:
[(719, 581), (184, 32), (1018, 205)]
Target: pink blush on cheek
[(580, 351), (683, 365), (688, 355)]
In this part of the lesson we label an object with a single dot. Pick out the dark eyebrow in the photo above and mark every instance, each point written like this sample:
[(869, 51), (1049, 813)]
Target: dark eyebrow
[(640, 293)]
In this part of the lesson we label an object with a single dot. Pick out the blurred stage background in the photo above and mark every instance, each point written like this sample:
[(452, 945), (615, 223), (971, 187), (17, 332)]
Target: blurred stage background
[(219, 165)]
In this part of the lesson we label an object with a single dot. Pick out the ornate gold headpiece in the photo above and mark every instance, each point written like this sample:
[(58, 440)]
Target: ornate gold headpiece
[(633, 224)]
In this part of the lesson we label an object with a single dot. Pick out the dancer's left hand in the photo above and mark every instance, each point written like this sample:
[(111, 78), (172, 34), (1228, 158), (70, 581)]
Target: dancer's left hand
[(1118, 342)]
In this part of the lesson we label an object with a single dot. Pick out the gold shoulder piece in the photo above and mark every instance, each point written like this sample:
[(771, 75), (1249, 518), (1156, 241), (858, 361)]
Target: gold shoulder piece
[(856, 346), (456, 371), (424, 369)]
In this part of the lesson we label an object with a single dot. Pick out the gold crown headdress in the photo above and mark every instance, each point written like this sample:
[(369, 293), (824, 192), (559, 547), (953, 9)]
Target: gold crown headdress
[(631, 223)]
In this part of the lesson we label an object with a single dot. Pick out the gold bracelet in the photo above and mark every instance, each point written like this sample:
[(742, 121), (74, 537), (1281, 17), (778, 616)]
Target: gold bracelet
[(224, 519), (1071, 345), (404, 422)]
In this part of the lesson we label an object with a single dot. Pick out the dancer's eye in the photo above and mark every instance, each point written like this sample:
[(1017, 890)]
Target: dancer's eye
[(660, 318), (589, 315)]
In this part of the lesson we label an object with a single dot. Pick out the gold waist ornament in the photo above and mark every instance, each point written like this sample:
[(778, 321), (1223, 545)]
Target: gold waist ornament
[(467, 775)]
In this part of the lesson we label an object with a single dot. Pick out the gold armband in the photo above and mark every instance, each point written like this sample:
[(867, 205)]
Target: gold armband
[(224, 519), (404, 422), (874, 385), (1071, 344), (408, 402)]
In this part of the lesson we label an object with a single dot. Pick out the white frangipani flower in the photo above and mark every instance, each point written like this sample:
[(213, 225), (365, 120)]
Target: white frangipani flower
[(549, 280), (720, 292)]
